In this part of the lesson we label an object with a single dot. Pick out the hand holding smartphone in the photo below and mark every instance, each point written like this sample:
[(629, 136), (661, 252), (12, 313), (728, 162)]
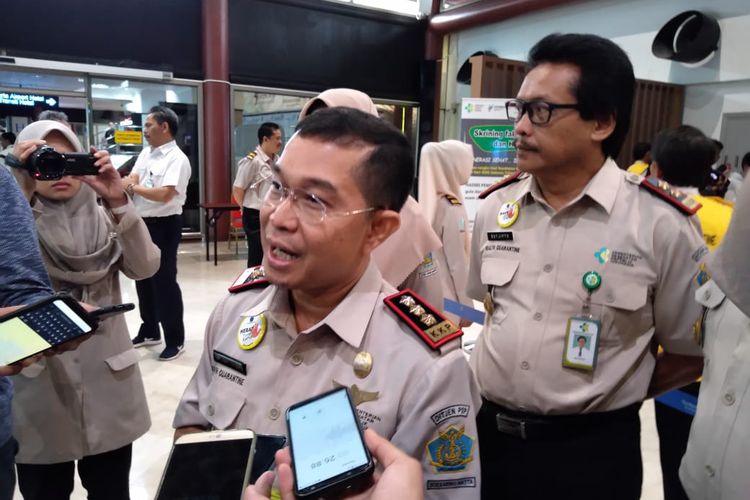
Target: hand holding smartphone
[(328, 451)]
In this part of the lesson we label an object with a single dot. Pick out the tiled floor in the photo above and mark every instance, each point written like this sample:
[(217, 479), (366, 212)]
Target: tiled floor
[(202, 286)]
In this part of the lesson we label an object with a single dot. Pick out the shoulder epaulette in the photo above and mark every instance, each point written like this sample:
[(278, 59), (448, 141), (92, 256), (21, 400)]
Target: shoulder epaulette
[(452, 199), (681, 201), (505, 181), (252, 154), (431, 326), (252, 277)]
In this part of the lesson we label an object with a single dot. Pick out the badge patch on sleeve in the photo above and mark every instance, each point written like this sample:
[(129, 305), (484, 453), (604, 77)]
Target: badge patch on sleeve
[(430, 325), (452, 450)]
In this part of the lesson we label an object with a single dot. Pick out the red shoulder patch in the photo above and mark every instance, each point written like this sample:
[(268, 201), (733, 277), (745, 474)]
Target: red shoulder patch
[(252, 277), (681, 201), (431, 326), (505, 181)]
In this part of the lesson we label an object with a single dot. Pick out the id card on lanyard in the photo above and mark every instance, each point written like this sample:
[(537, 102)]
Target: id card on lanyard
[(583, 331)]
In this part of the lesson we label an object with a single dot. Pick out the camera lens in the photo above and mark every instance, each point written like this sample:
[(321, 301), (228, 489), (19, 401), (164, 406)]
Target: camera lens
[(47, 164)]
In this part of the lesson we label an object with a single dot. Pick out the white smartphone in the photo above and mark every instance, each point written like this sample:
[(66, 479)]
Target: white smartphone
[(213, 465)]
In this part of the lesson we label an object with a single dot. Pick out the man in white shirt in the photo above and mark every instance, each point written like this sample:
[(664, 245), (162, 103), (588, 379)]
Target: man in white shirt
[(158, 186), (252, 169)]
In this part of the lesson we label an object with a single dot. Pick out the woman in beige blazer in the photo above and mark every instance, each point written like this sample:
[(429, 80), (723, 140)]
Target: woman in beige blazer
[(87, 405)]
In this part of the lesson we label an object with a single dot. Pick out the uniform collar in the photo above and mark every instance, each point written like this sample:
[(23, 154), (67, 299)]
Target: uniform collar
[(348, 320), (165, 148), (263, 156), (602, 188)]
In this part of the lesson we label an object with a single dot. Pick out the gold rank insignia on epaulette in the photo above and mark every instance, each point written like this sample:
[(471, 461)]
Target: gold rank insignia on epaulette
[(505, 181), (431, 326), (682, 201), (252, 154), (252, 277), (452, 199)]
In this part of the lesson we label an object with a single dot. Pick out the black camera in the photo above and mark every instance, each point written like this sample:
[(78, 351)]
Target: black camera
[(46, 164)]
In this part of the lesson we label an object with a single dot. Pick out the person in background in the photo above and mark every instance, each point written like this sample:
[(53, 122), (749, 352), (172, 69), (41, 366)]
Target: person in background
[(406, 258), (251, 169), (718, 450), (158, 186), (642, 156), (443, 168), (7, 140), (683, 158), (736, 179), (572, 246), (88, 405), (58, 116)]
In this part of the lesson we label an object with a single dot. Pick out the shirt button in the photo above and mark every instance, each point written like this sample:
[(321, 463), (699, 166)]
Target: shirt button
[(729, 399), (211, 410), (707, 294), (525, 365), (538, 316), (609, 297), (710, 472), (274, 413), (548, 268), (296, 359)]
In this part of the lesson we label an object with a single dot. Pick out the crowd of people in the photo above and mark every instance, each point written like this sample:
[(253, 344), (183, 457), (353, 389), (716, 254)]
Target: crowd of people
[(601, 287)]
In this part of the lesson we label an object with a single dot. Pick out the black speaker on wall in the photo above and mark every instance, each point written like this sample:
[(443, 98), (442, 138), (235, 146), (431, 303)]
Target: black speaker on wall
[(689, 37)]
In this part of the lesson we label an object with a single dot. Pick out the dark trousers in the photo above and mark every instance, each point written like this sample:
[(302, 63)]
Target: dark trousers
[(581, 457), (7, 473), (251, 224), (105, 476), (159, 297), (673, 427)]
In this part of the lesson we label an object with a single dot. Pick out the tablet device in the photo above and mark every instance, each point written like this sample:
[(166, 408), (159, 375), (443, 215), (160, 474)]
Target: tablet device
[(208, 466)]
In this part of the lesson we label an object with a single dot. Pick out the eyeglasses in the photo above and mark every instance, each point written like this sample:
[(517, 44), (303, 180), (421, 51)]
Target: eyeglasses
[(309, 208), (539, 112)]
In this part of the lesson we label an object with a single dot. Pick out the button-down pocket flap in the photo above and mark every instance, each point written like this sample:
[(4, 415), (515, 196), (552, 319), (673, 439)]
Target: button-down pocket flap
[(123, 360), (221, 408), (709, 295), (625, 295), (498, 272)]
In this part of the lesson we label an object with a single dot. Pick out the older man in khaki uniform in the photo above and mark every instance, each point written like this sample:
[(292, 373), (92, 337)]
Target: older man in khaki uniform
[(582, 269), (321, 326)]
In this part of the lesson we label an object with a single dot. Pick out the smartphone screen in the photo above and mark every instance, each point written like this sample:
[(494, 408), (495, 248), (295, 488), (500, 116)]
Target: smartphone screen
[(207, 470), (326, 441), (39, 328), (266, 447)]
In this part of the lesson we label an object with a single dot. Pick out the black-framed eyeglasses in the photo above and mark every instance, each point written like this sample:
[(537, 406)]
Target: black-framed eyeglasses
[(539, 112), (309, 208)]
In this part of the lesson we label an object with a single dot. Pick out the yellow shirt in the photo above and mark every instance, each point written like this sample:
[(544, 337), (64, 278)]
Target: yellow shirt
[(714, 216), (639, 167)]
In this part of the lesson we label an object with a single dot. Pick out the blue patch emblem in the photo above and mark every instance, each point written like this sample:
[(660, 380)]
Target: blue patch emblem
[(703, 276), (452, 450)]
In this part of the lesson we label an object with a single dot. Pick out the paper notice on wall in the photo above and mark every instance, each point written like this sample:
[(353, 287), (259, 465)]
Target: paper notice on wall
[(486, 127)]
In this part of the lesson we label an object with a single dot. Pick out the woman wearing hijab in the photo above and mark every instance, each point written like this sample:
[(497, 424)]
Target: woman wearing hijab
[(87, 405), (406, 258), (443, 168)]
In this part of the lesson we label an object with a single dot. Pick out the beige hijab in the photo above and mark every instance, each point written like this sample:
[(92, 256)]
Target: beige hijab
[(74, 235), (405, 249), (730, 264), (443, 168)]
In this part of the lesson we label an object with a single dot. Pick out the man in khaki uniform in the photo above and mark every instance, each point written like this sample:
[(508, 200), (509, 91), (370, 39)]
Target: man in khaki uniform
[(335, 196), (253, 168), (571, 247)]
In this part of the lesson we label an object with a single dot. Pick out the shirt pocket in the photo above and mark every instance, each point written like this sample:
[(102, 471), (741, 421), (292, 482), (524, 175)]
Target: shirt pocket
[(623, 307), (121, 361), (497, 273), (221, 404)]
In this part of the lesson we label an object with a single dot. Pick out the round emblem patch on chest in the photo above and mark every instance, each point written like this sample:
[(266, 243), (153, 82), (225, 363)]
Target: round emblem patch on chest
[(508, 214), (251, 331)]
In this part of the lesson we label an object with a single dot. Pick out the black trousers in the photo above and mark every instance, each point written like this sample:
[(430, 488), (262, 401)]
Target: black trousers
[(160, 297), (673, 427), (600, 459), (105, 476), (251, 224), (7, 472)]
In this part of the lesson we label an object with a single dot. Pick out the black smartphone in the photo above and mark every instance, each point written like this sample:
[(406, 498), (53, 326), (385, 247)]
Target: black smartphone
[(107, 311), (329, 455), (43, 325), (266, 446)]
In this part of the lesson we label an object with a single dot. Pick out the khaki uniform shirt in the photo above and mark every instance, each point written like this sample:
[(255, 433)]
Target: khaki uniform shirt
[(646, 252), (426, 282), (250, 171), (715, 464), (90, 400), (411, 395), (450, 225)]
